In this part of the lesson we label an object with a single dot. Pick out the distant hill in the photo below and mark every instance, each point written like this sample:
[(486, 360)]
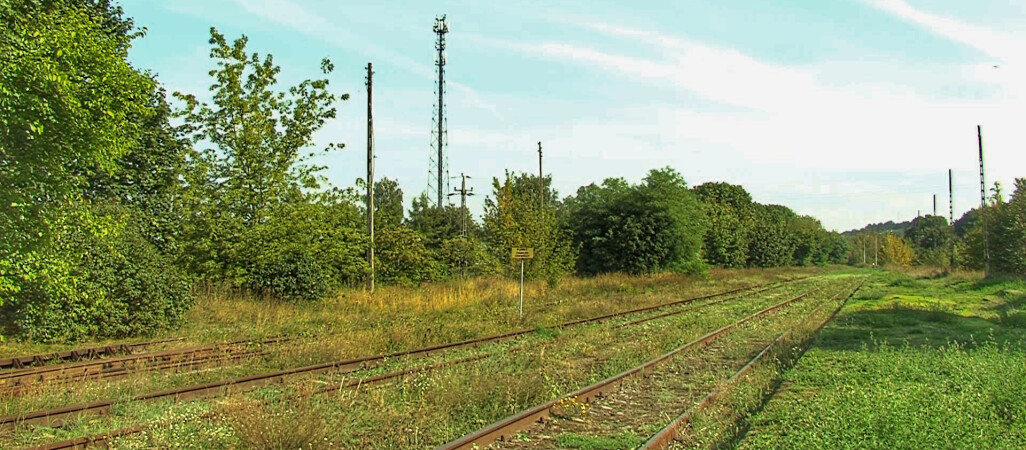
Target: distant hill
[(885, 227)]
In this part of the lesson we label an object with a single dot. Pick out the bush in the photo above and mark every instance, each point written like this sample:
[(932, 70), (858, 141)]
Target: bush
[(292, 273), (100, 278)]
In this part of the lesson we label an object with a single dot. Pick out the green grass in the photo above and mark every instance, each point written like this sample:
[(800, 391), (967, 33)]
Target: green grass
[(935, 362)]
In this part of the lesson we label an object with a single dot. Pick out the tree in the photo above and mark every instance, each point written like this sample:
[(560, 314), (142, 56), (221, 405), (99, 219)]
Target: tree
[(388, 204), (729, 210), (255, 163), (772, 244), (522, 213), (67, 97), (654, 226), (1009, 256), (896, 251), (931, 238)]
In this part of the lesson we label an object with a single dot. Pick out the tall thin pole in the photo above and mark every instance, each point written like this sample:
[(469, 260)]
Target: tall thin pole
[(521, 289), (876, 252), (540, 172), (951, 213), (370, 174), (983, 206), (441, 28), (935, 204)]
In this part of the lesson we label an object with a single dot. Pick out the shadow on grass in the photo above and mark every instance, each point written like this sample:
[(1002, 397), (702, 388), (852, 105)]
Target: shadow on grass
[(917, 327)]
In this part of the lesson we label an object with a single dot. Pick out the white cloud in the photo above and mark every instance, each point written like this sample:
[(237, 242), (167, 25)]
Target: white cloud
[(997, 45)]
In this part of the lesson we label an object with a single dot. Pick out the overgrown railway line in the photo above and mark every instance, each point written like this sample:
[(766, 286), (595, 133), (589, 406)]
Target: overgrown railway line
[(56, 417), (617, 389)]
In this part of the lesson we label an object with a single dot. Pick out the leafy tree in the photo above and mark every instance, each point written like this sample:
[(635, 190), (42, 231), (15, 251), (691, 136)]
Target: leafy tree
[(403, 258), (439, 224), (1009, 256), (522, 213), (388, 204), (931, 238), (729, 210), (771, 244), (255, 163), (809, 241), (67, 97), (896, 251), (654, 226)]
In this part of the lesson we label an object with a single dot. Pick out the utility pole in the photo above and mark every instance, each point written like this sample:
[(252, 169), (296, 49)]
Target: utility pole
[(951, 213), (370, 174), (540, 172), (463, 192), (876, 252), (983, 206), (935, 204)]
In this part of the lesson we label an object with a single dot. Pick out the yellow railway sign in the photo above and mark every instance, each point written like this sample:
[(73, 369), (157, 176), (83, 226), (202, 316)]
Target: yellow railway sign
[(523, 253)]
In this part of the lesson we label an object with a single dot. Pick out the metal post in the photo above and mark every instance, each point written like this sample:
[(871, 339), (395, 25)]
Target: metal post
[(521, 289), (935, 204), (441, 28), (983, 206), (370, 175), (951, 213), (540, 172), (876, 251)]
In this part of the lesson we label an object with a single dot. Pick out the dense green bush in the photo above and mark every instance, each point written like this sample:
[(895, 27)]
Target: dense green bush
[(100, 277), (292, 273)]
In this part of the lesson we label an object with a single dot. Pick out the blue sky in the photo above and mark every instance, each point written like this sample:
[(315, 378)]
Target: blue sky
[(848, 110)]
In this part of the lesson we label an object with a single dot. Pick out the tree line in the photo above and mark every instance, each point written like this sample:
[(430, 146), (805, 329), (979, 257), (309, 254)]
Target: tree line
[(117, 202), (968, 243)]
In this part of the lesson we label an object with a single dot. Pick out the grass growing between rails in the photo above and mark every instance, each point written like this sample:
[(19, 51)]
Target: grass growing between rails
[(933, 362), (395, 317)]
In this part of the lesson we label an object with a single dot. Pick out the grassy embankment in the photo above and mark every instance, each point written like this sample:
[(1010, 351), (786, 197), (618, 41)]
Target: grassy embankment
[(911, 362)]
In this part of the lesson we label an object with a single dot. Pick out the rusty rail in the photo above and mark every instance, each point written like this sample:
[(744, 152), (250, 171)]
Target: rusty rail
[(58, 416), (106, 437), (669, 433), (19, 362), (507, 427), (17, 381)]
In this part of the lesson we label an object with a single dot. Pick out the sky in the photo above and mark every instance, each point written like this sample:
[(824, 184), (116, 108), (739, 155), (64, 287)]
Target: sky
[(851, 111)]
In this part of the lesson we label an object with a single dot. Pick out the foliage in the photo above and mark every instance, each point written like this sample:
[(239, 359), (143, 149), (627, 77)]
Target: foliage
[(650, 227), (522, 213), (403, 258), (1010, 233), (388, 204), (771, 243), (100, 278), (896, 251), (68, 98), (255, 164), (306, 248), (730, 213), (439, 224)]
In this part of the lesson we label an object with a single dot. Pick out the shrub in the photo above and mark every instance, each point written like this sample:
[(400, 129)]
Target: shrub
[(291, 273), (99, 278)]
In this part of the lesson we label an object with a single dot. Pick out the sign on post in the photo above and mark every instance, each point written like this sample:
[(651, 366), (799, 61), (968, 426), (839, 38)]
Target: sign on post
[(522, 253)]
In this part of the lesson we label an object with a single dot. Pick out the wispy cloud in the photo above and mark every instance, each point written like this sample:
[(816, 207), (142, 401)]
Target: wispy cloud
[(997, 45)]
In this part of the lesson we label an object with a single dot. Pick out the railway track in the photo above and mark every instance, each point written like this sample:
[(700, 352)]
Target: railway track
[(18, 382), (44, 359), (56, 417), (506, 429), (666, 436)]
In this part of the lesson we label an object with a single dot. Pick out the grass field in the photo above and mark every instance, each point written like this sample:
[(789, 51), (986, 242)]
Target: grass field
[(912, 362)]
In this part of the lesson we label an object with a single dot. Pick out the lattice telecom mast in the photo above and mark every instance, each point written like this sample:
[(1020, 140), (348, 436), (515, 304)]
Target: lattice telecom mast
[(438, 162)]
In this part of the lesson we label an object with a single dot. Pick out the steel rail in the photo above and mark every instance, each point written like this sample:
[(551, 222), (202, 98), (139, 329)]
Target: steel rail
[(43, 359), (106, 437), (507, 427), (668, 434), (58, 416), (123, 365)]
